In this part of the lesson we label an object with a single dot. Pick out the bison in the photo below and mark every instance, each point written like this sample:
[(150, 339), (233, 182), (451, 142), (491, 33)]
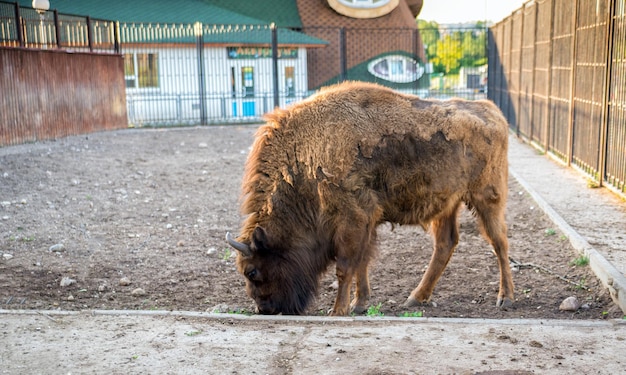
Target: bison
[(325, 172)]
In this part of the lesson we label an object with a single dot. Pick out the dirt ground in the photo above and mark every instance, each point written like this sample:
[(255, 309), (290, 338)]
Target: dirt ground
[(136, 219)]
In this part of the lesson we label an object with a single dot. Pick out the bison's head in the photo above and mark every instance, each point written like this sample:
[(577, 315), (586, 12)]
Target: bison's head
[(276, 279)]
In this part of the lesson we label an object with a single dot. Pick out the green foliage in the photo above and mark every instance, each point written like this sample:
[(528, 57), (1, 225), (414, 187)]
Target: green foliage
[(375, 310), (227, 254), (550, 232), (413, 314), (581, 261), (582, 284), (449, 49)]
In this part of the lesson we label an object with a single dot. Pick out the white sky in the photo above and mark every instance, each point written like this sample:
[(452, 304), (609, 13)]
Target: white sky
[(459, 11)]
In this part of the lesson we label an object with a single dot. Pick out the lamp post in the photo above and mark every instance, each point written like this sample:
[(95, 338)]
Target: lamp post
[(41, 6)]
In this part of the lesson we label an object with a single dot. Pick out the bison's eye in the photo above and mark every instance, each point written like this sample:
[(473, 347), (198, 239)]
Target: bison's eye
[(251, 275)]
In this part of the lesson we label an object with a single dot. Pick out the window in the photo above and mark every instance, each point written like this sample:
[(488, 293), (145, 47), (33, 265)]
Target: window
[(364, 3), (141, 70), (247, 80), (396, 68), (290, 81), (363, 8)]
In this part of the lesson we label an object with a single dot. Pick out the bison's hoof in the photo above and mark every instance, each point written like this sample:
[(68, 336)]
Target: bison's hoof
[(412, 302), (358, 310), (504, 303)]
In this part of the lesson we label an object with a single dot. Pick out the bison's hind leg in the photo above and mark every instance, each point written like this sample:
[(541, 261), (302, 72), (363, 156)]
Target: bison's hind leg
[(490, 208), (445, 233)]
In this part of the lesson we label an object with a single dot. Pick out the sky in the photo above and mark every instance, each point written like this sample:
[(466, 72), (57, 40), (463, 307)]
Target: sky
[(459, 11)]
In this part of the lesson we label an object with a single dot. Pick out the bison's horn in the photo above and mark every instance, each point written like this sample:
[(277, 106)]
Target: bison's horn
[(241, 247)]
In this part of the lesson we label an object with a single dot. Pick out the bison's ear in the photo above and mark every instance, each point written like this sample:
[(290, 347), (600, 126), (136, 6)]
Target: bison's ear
[(260, 239)]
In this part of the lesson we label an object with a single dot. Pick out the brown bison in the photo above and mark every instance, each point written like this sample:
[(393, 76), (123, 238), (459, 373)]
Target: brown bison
[(324, 173)]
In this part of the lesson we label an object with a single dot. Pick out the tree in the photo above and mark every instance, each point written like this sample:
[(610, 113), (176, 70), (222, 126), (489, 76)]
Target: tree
[(449, 53)]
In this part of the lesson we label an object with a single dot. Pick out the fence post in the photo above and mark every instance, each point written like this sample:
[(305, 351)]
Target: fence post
[(198, 30), (116, 37), (547, 116), (572, 82), (57, 29), (518, 107), (89, 34), (610, 29), (415, 43), (19, 26), (343, 61), (275, 63)]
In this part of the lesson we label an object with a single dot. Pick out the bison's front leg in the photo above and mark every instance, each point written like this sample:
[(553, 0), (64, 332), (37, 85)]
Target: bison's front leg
[(345, 273), (362, 293)]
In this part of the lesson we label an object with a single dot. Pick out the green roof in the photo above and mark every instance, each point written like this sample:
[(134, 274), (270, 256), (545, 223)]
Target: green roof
[(251, 12), (360, 72), (283, 13)]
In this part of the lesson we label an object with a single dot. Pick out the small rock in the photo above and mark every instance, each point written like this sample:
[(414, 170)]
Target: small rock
[(203, 145), (138, 292), (66, 281), (7, 256), (211, 251), (168, 226), (570, 304), (70, 298), (57, 248), (102, 288), (124, 281), (180, 243)]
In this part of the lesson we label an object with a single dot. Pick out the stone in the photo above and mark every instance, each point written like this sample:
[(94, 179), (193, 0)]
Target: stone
[(570, 304), (125, 281), (67, 281), (138, 292), (57, 248)]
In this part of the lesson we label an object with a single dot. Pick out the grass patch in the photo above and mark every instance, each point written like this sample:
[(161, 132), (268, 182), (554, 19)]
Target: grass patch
[(375, 310), (413, 314), (581, 261)]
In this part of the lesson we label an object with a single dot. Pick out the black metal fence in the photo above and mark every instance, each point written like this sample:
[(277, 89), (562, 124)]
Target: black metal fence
[(188, 74), (557, 69), (45, 29), (207, 74)]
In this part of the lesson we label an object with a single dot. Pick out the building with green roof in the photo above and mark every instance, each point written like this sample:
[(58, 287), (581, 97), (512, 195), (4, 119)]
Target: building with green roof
[(172, 78)]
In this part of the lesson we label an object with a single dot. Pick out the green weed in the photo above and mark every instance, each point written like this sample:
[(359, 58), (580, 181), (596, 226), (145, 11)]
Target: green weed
[(414, 314), (550, 232), (375, 310), (581, 261)]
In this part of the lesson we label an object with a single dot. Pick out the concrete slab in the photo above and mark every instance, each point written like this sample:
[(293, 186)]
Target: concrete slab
[(132, 342)]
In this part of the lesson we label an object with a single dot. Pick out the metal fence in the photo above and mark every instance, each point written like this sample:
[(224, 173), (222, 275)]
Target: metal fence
[(208, 74), (182, 74), (44, 29), (557, 69), (46, 92), (350, 49)]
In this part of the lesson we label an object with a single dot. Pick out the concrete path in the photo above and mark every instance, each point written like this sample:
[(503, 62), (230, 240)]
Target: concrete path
[(118, 342)]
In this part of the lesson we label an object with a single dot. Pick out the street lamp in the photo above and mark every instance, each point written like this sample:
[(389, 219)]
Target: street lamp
[(41, 6)]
